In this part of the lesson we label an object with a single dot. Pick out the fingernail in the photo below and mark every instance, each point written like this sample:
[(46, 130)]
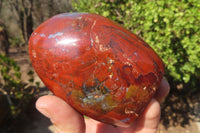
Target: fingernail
[(166, 84), (166, 89), (44, 112)]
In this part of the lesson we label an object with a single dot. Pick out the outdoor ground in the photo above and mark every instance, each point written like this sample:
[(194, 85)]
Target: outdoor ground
[(180, 113)]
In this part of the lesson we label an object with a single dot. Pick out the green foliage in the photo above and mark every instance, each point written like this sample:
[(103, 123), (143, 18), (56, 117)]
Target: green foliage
[(171, 27), (9, 71), (10, 85)]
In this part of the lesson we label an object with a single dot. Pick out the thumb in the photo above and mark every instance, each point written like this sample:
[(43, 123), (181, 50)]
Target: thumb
[(149, 120), (62, 115)]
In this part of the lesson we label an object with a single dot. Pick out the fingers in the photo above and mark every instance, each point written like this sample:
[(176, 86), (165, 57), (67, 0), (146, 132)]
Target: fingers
[(149, 120), (62, 115), (163, 91), (147, 123)]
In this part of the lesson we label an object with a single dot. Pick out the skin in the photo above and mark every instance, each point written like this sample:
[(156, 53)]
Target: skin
[(67, 120)]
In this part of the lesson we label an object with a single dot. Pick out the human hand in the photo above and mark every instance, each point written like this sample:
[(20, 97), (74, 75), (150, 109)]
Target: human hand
[(68, 120)]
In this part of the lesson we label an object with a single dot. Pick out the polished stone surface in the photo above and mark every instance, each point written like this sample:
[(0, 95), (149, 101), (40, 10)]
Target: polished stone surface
[(101, 69)]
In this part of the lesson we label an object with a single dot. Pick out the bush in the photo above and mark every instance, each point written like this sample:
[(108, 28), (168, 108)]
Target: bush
[(171, 27)]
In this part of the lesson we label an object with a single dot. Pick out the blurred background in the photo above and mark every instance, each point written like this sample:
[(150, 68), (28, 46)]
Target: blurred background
[(171, 27)]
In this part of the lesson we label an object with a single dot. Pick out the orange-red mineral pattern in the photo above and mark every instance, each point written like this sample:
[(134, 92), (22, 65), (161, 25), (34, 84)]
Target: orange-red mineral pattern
[(101, 69)]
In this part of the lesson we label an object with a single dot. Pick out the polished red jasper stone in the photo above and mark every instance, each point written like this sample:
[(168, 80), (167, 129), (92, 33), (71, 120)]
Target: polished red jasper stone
[(101, 69)]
